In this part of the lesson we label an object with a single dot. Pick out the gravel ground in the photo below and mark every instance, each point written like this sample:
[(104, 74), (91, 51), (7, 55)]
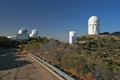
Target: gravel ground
[(15, 66)]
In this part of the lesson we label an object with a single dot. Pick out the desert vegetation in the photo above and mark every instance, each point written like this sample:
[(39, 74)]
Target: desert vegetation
[(94, 57), (6, 44)]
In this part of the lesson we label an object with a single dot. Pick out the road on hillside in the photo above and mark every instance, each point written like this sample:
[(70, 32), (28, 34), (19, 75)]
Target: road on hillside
[(16, 66)]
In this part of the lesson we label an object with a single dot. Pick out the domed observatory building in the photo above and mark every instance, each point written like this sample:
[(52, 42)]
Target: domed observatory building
[(34, 33), (22, 34), (72, 37), (93, 25)]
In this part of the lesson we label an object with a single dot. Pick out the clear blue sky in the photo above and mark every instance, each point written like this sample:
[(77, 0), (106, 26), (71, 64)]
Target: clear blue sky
[(55, 18)]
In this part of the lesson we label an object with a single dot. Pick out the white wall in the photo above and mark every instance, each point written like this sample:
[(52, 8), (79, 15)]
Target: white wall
[(72, 37)]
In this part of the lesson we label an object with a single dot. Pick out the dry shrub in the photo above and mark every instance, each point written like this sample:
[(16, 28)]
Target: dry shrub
[(90, 76)]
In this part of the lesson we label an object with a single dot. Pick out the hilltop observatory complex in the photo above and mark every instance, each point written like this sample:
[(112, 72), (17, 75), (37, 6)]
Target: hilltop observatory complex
[(72, 37), (93, 25), (34, 33)]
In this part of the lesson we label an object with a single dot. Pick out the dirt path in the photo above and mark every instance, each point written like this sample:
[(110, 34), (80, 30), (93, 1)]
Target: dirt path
[(14, 66)]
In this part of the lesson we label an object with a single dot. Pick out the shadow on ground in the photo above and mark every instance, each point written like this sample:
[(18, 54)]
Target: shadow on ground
[(11, 60)]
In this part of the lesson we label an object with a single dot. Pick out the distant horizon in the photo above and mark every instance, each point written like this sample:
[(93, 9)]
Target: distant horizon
[(55, 18), (56, 38)]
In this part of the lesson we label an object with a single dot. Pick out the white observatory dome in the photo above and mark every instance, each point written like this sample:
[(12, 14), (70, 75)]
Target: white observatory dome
[(93, 25), (93, 20), (22, 31), (34, 31), (22, 34)]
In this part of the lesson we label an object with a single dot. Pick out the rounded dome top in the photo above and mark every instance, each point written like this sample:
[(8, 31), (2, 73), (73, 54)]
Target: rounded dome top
[(34, 31), (22, 31), (93, 20)]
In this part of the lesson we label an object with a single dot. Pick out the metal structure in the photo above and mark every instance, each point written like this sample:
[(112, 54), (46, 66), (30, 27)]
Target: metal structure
[(59, 72)]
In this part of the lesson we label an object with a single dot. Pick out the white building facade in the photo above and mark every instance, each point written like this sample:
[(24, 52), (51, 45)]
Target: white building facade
[(72, 37), (93, 25)]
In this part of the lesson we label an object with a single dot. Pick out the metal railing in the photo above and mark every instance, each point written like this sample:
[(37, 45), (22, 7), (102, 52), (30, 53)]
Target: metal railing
[(58, 71)]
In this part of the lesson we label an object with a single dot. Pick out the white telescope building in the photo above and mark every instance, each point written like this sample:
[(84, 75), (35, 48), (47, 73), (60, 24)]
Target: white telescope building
[(22, 34), (34, 33), (72, 37), (93, 25)]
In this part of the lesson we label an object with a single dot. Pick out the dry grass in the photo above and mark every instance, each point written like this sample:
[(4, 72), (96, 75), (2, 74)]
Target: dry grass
[(90, 76)]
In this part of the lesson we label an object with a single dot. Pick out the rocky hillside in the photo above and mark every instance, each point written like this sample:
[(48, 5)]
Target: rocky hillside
[(96, 57)]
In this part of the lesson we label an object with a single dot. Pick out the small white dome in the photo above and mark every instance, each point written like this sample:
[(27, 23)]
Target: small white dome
[(93, 20), (22, 31), (34, 31)]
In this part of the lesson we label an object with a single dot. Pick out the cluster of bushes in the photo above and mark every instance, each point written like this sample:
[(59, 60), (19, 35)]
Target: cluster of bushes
[(114, 33), (5, 42), (98, 57)]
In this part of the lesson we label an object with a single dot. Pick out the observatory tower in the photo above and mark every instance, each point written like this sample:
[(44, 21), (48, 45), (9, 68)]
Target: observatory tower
[(72, 37), (22, 34), (34, 33), (93, 25)]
